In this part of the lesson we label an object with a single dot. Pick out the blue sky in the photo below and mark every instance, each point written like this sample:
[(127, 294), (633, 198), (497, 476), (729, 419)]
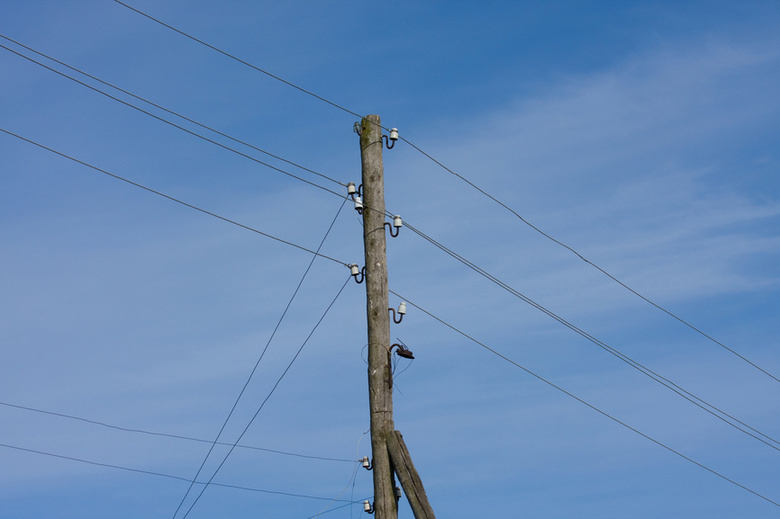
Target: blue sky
[(643, 135)]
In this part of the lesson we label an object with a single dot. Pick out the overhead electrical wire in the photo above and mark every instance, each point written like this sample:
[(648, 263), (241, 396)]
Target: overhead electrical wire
[(463, 260), (592, 264), (470, 183), (172, 112), (177, 126), (173, 199), (218, 132), (231, 56), (340, 195), (474, 267), (314, 253), (262, 355), (169, 476), (270, 393), (580, 400), (695, 400), (485, 193), (170, 435)]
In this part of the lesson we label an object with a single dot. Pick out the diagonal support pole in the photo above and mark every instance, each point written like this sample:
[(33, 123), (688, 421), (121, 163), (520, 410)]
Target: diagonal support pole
[(408, 476)]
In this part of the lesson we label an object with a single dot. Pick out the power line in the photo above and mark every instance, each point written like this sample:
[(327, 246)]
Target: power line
[(695, 400), (231, 56), (228, 148), (471, 265), (169, 435), (178, 201), (470, 183), (172, 112), (580, 400), (580, 256), (270, 393), (532, 226), (169, 476), (254, 369), (179, 127)]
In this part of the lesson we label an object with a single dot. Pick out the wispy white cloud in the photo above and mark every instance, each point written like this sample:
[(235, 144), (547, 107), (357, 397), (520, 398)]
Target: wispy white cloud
[(627, 166)]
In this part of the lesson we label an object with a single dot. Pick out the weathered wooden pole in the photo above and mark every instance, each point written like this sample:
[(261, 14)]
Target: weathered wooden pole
[(380, 393), (410, 480)]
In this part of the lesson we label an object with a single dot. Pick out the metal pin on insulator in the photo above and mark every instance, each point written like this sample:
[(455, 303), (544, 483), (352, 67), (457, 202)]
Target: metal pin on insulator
[(396, 227), (399, 315), (356, 271), (393, 137)]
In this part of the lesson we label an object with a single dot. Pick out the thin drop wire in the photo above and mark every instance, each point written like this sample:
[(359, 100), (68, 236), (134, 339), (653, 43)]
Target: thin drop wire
[(350, 482), (351, 505), (408, 365), (357, 456), (172, 112), (394, 365), (695, 400), (167, 435), (172, 199), (474, 186), (580, 400), (352, 492), (273, 389), (160, 474), (396, 360), (254, 369)]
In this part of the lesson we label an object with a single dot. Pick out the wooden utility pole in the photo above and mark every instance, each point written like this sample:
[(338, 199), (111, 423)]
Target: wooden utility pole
[(387, 445), (380, 392)]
